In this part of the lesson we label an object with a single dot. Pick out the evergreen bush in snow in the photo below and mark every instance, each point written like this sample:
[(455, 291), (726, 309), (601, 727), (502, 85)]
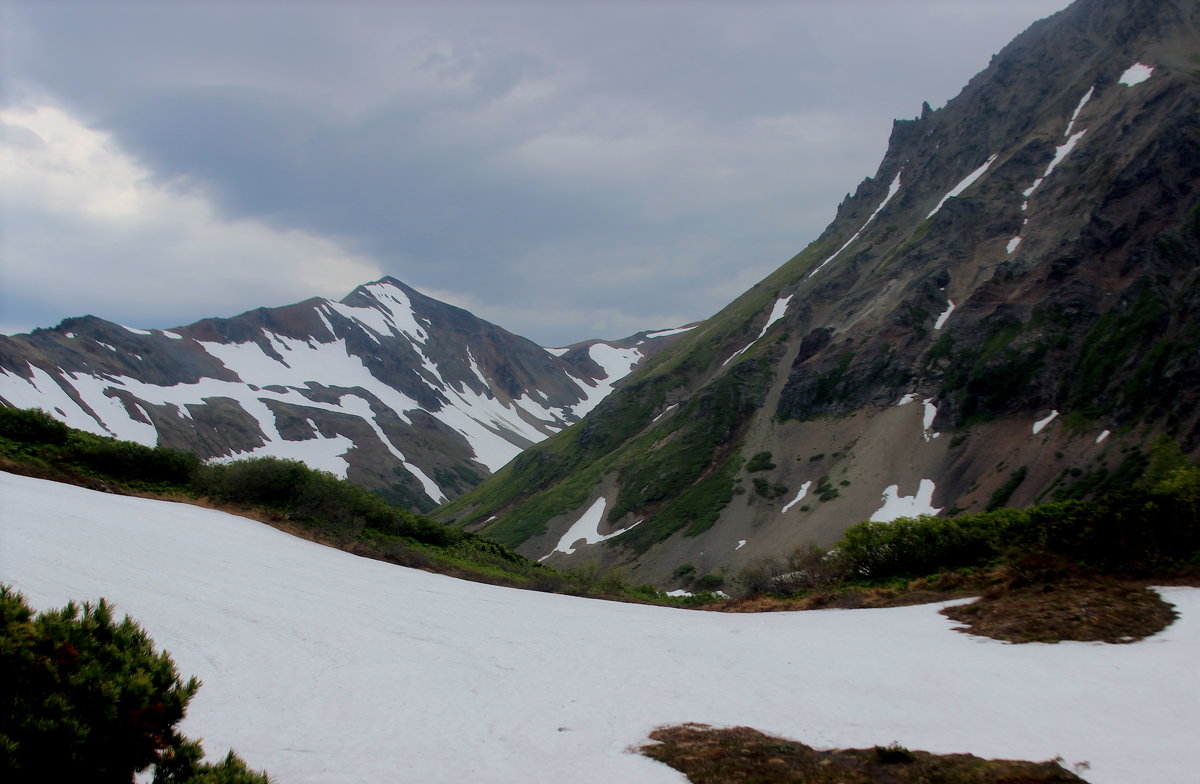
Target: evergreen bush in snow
[(84, 697)]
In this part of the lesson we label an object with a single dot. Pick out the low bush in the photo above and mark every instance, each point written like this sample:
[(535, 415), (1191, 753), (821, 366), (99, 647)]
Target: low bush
[(87, 698)]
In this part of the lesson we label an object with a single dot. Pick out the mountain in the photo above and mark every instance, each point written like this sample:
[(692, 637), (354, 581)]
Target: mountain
[(389, 388), (1005, 312)]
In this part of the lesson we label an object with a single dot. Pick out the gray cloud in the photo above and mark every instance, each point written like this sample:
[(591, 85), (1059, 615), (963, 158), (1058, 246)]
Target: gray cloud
[(568, 170)]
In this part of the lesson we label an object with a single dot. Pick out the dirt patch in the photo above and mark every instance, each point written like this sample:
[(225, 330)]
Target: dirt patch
[(1081, 609), (742, 755)]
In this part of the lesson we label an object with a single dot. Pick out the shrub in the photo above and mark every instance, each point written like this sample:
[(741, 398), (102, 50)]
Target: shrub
[(85, 698), (760, 462), (31, 426)]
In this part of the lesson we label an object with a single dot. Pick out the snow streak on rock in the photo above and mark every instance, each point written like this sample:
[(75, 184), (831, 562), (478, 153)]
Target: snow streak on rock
[(967, 182), (799, 497), (777, 313), (895, 186)]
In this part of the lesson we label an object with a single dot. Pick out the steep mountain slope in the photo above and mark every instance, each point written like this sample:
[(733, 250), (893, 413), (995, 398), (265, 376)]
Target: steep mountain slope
[(1005, 312), (389, 388)]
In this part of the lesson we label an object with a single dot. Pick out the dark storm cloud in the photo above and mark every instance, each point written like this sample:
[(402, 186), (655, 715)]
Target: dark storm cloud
[(568, 170)]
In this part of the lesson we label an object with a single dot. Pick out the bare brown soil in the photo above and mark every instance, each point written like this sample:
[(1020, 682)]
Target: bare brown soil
[(1074, 609), (742, 755)]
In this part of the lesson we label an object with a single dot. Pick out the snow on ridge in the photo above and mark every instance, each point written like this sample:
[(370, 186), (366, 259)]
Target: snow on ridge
[(966, 182), (558, 352), (892, 188), (777, 312), (896, 505), (136, 331), (587, 527), (1135, 74)]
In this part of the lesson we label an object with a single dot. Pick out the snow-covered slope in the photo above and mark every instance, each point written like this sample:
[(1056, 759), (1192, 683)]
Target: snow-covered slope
[(380, 673), (389, 387)]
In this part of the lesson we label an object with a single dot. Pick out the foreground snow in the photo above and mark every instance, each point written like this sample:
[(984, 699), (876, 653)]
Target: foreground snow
[(323, 667)]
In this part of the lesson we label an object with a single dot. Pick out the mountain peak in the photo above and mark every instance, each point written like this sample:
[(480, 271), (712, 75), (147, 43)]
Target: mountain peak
[(403, 394)]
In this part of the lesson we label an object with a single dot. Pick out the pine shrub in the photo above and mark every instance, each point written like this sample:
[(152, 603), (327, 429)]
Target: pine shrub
[(84, 697)]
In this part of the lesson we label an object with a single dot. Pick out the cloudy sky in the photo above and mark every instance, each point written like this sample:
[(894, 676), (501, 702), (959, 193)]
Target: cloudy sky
[(566, 169)]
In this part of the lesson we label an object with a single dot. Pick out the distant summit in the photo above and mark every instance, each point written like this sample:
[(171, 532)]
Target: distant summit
[(389, 388)]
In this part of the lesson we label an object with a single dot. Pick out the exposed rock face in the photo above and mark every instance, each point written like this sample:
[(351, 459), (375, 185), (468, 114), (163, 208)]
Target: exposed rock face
[(392, 389), (1007, 310)]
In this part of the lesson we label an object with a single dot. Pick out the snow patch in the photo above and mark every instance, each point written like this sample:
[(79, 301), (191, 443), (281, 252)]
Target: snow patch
[(665, 411), (928, 415), (1135, 74), (587, 528), (741, 543), (941, 320), (136, 331), (1103, 435), (1041, 423), (557, 352), (1013, 244), (800, 495), (967, 182), (908, 398), (896, 505), (173, 335), (1079, 108)]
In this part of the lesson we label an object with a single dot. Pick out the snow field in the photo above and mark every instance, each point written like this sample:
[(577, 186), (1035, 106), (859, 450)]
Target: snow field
[(323, 667)]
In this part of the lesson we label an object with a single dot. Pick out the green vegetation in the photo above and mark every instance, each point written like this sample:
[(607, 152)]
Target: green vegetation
[(760, 462), (85, 698), (1005, 491), (983, 381)]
